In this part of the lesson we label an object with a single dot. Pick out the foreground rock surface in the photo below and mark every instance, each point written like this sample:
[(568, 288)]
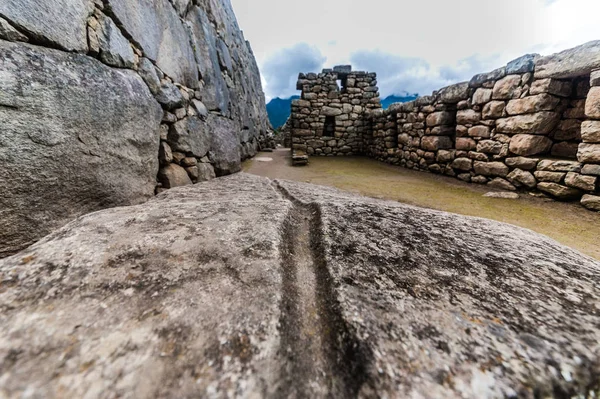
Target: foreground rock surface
[(246, 287)]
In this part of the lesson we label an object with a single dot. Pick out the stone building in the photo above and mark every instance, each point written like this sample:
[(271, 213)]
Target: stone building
[(532, 125), (329, 118)]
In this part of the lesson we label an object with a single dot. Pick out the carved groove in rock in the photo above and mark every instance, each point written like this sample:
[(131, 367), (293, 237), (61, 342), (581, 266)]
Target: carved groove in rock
[(324, 358)]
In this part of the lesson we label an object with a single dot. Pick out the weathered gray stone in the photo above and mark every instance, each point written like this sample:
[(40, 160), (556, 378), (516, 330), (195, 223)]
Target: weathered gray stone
[(522, 64), (215, 94), (528, 144), (551, 86), (169, 96), (552, 177), (155, 26), (59, 22), (165, 154), (592, 103), (559, 166), (559, 191), (190, 135), (502, 195), (8, 32), (226, 303), (589, 153), (520, 178), (578, 61), (522, 162), (148, 73), (595, 78), (585, 183), (328, 111), (114, 48), (225, 148), (173, 175), (77, 136), (200, 109), (501, 184), (455, 93), (538, 123), (591, 202), (506, 88), (482, 78), (491, 168), (531, 104), (590, 169), (206, 172), (465, 164)]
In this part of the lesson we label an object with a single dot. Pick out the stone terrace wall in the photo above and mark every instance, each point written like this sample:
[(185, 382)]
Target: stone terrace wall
[(533, 125), (105, 102), (329, 118)]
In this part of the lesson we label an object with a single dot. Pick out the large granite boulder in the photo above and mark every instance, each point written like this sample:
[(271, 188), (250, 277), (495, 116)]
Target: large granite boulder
[(76, 136), (155, 26), (571, 63), (224, 145), (61, 23), (244, 287)]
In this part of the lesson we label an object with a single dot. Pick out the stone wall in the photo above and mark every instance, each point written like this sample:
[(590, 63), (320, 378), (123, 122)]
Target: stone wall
[(104, 103), (329, 118), (533, 125)]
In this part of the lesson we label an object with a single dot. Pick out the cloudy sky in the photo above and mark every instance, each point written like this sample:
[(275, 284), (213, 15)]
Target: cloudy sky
[(414, 46)]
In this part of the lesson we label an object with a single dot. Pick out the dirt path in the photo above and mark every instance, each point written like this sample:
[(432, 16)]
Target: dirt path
[(567, 223)]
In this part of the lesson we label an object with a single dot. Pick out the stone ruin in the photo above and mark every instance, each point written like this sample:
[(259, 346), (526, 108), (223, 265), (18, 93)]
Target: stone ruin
[(329, 119), (533, 125)]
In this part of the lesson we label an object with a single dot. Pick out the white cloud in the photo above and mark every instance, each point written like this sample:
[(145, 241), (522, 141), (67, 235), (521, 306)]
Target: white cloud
[(446, 40)]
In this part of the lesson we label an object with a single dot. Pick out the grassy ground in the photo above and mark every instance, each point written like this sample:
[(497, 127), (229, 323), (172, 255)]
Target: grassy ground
[(567, 223)]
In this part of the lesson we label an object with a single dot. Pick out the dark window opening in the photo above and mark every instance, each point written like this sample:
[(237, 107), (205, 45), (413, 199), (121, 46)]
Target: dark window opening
[(329, 128)]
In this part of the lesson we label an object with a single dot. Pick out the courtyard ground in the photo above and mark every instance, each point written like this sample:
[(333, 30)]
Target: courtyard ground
[(568, 223)]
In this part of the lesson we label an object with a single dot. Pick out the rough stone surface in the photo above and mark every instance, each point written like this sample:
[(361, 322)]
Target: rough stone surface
[(559, 166), (8, 32), (506, 87), (115, 49), (559, 191), (520, 178), (502, 195), (585, 183), (522, 64), (482, 96), (491, 168), (57, 22), (528, 144), (590, 132), (591, 202), (142, 319), (589, 153), (591, 170), (224, 147), (578, 61), (532, 104), (565, 150), (538, 123), (522, 162), (190, 135), (77, 136), (173, 175), (155, 26), (592, 103), (551, 86)]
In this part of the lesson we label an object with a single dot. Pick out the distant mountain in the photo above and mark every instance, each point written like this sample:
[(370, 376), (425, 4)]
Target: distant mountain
[(279, 110), (385, 103)]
